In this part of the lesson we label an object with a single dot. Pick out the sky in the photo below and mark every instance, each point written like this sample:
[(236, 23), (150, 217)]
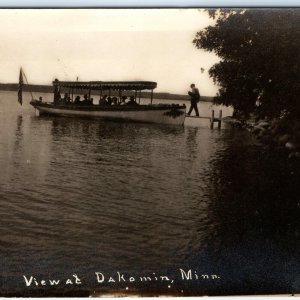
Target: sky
[(106, 45)]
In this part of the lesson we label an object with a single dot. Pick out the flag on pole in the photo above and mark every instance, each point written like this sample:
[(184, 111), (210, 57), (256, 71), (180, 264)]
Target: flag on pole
[(20, 89)]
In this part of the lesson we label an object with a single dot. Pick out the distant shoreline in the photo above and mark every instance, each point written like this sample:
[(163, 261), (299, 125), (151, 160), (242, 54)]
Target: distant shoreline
[(49, 89)]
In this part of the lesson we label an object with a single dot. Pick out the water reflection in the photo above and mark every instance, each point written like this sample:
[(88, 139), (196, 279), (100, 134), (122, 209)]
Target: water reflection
[(19, 133), (191, 141), (82, 195)]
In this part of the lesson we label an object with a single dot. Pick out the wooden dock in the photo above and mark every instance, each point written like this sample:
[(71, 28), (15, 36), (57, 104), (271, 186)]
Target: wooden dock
[(212, 119)]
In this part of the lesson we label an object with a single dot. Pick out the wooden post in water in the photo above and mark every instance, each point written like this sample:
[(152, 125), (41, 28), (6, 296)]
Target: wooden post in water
[(212, 119), (220, 119)]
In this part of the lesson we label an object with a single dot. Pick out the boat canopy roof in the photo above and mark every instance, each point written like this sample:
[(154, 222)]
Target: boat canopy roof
[(107, 85)]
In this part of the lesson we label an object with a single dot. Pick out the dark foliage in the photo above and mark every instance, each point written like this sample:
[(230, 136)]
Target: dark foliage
[(259, 50)]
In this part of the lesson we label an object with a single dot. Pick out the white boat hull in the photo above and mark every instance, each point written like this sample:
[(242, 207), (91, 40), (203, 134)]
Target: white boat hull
[(164, 114)]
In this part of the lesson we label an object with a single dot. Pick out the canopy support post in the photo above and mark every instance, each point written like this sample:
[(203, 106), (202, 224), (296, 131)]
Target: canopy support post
[(89, 92), (151, 96), (139, 96), (120, 95)]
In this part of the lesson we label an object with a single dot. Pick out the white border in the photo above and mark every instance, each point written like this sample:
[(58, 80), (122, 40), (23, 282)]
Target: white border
[(148, 3)]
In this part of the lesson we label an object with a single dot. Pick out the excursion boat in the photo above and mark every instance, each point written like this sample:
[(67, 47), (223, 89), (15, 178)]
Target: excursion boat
[(116, 100)]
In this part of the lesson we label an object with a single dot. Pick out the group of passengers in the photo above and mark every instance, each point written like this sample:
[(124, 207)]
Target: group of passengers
[(107, 101), (104, 101), (58, 99), (66, 99), (86, 100)]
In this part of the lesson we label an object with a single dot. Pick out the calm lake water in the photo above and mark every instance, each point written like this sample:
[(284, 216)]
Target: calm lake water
[(80, 196)]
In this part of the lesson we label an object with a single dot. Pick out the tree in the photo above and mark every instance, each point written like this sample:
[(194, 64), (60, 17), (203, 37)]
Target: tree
[(260, 59)]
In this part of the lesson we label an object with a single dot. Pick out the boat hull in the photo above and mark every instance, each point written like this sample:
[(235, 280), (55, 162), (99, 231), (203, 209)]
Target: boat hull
[(160, 114)]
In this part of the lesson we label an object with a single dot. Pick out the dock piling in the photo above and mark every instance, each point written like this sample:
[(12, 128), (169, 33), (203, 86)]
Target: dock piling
[(220, 119), (212, 120)]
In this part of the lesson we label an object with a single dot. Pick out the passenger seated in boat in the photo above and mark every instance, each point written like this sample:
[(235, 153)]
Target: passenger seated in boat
[(64, 100), (40, 99), (132, 102), (114, 101), (103, 101), (57, 98), (77, 100), (86, 100), (123, 100), (109, 101), (91, 101)]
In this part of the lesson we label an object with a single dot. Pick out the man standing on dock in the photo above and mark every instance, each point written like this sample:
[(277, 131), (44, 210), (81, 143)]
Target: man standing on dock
[(195, 98)]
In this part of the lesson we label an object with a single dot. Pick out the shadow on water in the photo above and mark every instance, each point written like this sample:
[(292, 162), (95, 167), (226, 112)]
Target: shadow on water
[(64, 125), (255, 204)]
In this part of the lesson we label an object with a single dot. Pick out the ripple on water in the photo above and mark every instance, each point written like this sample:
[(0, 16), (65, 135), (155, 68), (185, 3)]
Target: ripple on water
[(79, 194)]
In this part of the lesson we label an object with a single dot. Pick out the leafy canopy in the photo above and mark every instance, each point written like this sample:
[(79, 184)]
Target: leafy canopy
[(260, 58)]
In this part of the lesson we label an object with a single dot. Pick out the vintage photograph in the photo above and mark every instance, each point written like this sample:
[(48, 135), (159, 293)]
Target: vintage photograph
[(149, 152)]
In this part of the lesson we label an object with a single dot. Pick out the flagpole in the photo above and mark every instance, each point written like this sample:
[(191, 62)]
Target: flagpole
[(27, 84), (20, 87)]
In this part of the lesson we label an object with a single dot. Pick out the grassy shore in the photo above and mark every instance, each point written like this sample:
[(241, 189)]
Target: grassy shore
[(49, 89)]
